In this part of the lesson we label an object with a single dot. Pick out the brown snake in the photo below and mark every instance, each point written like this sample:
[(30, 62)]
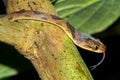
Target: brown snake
[(82, 40)]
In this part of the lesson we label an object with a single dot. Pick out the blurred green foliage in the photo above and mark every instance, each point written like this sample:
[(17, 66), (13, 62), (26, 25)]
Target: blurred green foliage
[(89, 16)]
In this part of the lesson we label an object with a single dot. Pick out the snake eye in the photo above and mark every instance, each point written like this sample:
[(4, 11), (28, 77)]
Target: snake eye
[(96, 47)]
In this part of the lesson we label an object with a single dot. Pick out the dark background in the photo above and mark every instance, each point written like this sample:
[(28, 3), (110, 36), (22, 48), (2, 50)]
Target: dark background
[(108, 70)]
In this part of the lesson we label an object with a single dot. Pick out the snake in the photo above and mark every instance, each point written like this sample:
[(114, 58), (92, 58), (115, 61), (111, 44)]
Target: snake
[(82, 40)]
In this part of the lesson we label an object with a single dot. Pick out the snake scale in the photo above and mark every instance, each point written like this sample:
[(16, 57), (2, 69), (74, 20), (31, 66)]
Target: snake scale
[(82, 40)]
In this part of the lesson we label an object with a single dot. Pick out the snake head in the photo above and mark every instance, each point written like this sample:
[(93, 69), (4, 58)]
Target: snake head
[(95, 45), (90, 43)]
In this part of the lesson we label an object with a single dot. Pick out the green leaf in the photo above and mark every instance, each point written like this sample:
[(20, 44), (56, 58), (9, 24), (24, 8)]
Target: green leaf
[(90, 16), (11, 62), (65, 7), (6, 71)]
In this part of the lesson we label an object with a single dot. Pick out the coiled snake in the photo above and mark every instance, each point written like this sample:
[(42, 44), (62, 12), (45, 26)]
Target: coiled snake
[(82, 40)]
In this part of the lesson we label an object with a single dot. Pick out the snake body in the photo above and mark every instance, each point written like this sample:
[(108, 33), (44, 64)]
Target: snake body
[(82, 40)]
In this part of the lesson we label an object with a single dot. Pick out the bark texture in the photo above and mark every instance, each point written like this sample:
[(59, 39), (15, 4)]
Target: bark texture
[(47, 46)]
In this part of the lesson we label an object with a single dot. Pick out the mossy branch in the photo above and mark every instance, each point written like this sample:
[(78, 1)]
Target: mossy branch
[(50, 50)]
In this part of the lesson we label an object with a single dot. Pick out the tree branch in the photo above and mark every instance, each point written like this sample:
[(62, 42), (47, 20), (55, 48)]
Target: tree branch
[(50, 50)]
